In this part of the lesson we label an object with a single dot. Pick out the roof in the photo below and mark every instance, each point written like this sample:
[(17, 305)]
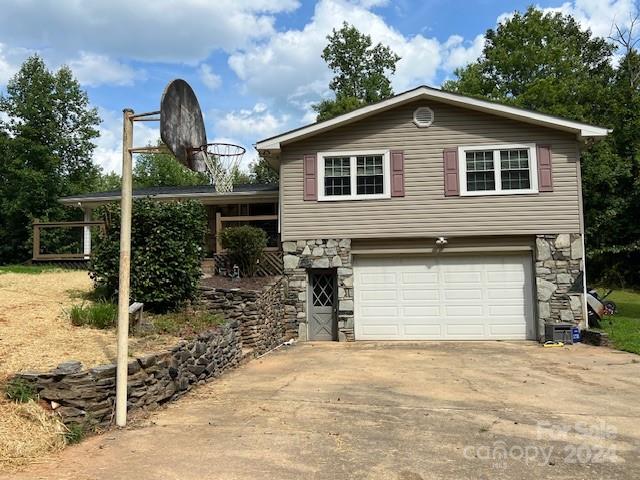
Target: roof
[(169, 193), (581, 130)]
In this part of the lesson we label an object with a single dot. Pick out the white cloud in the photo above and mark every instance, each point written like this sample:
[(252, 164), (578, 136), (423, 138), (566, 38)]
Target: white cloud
[(108, 152), (599, 15), (208, 77), (94, 69), (184, 31), (257, 122), (7, 67), (460, 53)]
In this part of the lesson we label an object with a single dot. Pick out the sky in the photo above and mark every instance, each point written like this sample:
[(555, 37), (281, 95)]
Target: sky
[(255, 65)]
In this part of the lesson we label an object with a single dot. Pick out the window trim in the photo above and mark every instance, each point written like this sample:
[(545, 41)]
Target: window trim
[(533, 169), (386, 175)]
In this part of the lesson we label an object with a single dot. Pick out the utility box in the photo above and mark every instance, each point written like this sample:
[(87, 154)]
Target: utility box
[(559, 332)]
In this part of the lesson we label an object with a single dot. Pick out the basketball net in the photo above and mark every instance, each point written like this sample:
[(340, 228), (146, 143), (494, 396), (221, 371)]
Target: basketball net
[(222, 160)]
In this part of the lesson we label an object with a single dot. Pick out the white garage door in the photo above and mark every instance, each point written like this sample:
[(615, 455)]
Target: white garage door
[(445, 297)]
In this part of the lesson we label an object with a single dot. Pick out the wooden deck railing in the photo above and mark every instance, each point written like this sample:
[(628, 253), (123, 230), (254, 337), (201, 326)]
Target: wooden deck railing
[(39, 255)]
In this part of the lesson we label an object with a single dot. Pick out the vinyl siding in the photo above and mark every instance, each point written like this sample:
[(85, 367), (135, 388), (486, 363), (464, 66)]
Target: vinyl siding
[(424, 211)]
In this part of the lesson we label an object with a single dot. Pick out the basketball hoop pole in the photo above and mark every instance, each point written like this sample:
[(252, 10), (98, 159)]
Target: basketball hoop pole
[(125, 268)]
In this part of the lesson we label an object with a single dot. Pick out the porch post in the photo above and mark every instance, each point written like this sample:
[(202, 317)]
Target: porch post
[(86, 241)]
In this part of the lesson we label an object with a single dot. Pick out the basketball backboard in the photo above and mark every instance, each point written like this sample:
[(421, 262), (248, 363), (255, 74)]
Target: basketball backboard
[(181, 124)]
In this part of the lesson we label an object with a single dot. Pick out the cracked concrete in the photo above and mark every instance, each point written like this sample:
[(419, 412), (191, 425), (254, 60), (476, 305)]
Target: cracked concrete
[(404, 411)]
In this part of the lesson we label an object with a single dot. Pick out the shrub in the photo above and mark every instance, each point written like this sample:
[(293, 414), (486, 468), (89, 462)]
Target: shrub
[(20, 391), (245, 246), (167, 241), (101, 314)]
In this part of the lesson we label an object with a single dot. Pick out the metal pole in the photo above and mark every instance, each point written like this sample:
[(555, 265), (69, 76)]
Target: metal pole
[(125, 269)]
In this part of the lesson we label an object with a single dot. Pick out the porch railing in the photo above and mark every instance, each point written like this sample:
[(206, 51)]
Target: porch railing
[(82, 243)]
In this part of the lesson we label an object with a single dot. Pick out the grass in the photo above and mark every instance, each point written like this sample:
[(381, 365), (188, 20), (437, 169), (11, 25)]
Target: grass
[(74, 434), (31, 269), (623, 328), (101, 314), (20, 391)]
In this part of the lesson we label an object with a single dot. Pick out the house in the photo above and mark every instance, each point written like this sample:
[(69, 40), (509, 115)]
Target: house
[(431, 215)]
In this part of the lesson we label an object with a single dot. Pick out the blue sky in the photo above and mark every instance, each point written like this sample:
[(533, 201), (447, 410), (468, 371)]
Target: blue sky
[(254, 64)]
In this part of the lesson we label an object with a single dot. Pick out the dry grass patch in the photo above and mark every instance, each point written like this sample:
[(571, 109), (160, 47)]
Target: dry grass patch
[(27, 433)]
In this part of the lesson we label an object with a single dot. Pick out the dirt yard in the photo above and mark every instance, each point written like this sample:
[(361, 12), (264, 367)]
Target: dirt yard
[(36, 334), (35, 331)]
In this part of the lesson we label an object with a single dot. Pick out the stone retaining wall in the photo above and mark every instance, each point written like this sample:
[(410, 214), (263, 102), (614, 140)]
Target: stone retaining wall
[(559, 262), (260, 313), (87, 397)]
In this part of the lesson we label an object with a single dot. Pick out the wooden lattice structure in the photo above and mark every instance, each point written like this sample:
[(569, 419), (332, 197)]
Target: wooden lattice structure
[(270, 264)]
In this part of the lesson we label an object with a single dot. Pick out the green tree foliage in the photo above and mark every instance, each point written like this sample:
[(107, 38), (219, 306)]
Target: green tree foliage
[(262, 172), (544, 62), (245, 245), (360, 70), (167, 241), (46, 149), (547, 63), (163, 170)]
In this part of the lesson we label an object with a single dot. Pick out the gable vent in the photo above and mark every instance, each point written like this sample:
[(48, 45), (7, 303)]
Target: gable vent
[(423, 117)]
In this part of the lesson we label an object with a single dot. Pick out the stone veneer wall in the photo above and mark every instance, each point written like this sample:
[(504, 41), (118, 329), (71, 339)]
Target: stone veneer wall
[(559, 262), (301, 255), (87, 397), (260, 313), (254, 324)]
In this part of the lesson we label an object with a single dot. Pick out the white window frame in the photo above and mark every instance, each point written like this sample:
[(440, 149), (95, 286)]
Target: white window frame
[(533, 168), (386, 177)]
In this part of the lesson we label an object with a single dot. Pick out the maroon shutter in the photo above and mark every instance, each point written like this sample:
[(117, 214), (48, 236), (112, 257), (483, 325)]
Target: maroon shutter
[(451, 182), (397, 173), (545, 175), (310, 177)]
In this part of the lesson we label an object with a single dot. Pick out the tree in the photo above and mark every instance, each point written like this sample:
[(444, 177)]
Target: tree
[(46, 151), (163, 170), (360, 70), (545, 62), (262, 172)]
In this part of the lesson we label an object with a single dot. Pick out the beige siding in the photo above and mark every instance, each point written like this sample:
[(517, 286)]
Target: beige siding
[(455, 245), (424, 211)]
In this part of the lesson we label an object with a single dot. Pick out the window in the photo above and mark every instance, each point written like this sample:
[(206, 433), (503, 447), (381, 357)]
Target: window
[(337, 176), (369, 175), (498, 170), (353, 175)]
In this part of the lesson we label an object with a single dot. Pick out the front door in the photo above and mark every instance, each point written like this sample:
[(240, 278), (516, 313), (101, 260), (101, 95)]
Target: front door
[(322, 305)]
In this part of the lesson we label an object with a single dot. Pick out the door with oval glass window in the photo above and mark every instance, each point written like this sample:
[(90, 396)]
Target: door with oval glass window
[(322, 305)]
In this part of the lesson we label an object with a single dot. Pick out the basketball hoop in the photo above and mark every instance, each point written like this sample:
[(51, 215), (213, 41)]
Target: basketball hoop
[(222, 160)]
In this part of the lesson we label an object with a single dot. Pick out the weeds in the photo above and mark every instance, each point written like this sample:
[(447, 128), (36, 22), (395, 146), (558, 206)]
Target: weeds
[(74, 434), (101, 314), (184, 323), (20, 391)]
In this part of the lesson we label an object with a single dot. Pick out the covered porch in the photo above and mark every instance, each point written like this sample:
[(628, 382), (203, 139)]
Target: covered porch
[(251, 204)]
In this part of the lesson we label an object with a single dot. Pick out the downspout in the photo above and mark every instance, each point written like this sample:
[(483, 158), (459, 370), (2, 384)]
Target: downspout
[(585, 314)]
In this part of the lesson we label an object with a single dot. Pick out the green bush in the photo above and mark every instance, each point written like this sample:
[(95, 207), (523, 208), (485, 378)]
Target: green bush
[(101, 314), (20, 391), (74, 434), (167, 241), (245, 246)]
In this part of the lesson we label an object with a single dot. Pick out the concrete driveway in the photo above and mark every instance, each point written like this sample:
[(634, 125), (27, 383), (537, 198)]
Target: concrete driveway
[(400, 411)]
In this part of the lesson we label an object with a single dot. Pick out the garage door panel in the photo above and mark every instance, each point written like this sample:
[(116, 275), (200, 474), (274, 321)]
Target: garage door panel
[(418, 294), (463, 294), (426, 332), (446, 297), (422, 311)]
